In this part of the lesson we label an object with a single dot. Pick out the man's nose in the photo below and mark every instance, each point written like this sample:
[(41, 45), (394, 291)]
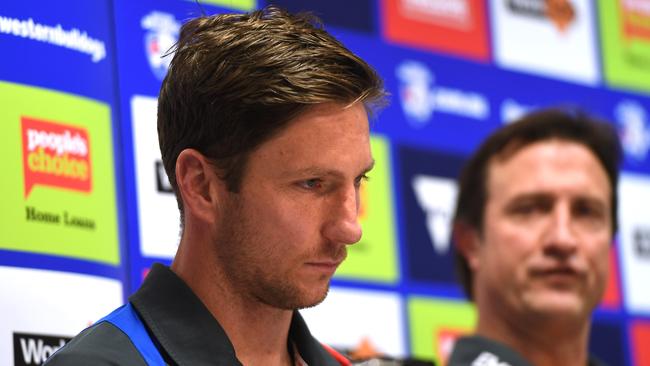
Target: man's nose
[(342, 223), (561, 237)]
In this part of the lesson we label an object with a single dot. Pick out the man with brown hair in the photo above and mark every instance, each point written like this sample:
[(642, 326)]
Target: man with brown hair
[(263, 128), (535, 219)]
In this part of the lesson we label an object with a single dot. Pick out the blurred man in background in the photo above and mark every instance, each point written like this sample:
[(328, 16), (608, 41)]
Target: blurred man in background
[(263, 129), (535, 219)]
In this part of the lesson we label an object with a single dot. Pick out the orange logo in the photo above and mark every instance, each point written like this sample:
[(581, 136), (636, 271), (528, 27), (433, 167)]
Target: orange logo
[(561, 13), (635, 19), (55, 155)]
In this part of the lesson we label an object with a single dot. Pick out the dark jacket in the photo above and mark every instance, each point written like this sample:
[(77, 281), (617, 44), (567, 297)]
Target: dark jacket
[(481, 351), (165, 323)]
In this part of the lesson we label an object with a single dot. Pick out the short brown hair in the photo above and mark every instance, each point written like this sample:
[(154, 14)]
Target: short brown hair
[(565, 124), (237, 79)]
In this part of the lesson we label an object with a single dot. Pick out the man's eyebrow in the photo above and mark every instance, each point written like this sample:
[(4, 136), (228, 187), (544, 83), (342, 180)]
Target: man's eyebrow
[(317, 171), (549, 197), (532, 196), (591, 200)]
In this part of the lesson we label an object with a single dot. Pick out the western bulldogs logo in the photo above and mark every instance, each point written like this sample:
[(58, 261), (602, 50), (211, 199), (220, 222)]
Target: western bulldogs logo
[(415, 82), (634, 130), (162, 33), (420, 96)]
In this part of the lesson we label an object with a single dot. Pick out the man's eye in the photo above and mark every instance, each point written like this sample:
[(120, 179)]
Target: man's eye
[(524, 209), (589, 211), (311, 183), (529, 208), (360, 179)]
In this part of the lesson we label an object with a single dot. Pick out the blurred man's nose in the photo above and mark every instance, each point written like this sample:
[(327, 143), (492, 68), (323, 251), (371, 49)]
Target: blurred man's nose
[(561, 238)]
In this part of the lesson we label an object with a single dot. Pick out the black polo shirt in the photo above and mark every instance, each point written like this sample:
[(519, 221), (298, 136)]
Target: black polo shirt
[(481, 351), (181, 327)]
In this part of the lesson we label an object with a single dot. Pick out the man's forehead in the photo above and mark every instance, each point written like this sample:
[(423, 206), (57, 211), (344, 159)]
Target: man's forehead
[(547, 165), (517, 152)]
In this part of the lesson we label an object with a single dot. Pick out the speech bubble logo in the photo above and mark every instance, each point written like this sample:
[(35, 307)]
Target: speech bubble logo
[(55, 155)]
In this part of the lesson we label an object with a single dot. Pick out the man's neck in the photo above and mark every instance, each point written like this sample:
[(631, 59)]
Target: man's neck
[(547, 342), (258, 332), (259, 336)]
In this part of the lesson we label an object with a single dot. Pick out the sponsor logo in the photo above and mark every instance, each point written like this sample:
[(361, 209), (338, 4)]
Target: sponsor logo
[(634, 130), (162, 181), (635, 241), (65, 218), (420, 97), (488, 359), (55, 155), (451, 26), (561, 13), (437, 197), (162, 34), (364, 350), (428, 197), (641, 239), (449, 13), (635, 18), (34, 349), (73, 39), (640, 339), (511, 110)]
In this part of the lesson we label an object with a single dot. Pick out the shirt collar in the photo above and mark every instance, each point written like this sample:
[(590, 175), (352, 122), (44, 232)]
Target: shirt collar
[(186, 330), (470, 349)]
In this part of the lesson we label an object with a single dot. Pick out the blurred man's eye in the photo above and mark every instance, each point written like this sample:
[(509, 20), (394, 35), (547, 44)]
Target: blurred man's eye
[(584, 209), (525, 209), (529, 207)]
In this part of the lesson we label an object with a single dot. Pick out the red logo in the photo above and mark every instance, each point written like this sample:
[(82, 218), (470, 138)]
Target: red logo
[(55, 155), (635, 19), (640, 332), (454, 26)]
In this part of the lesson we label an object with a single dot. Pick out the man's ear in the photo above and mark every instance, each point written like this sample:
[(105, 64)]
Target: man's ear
[(467, 242), (198, 185)]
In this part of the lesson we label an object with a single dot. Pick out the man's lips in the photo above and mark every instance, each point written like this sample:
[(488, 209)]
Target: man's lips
[(557, 272), (328, 262), (325, 264)]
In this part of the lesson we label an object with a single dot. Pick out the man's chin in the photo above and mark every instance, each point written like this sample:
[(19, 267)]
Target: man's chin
[(314, 298), (299, 298), (558, 305)]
